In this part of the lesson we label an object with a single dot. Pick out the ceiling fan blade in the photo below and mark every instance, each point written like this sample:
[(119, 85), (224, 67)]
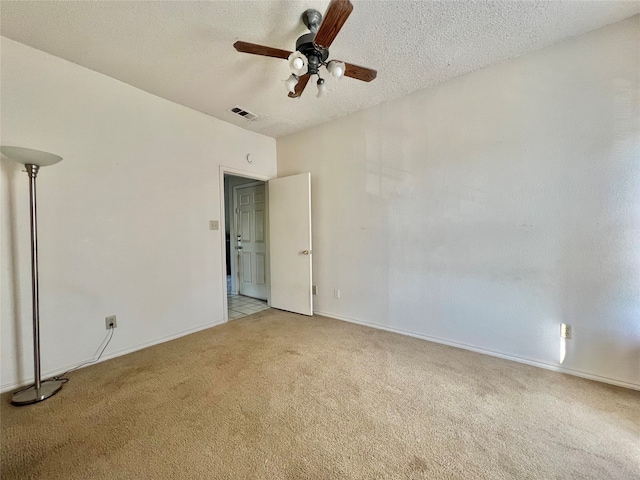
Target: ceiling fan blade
[(302, 82), (245, 47), (359, 73), (334, 18)]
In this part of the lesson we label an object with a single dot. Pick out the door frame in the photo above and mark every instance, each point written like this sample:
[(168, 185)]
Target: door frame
[(233, 232), (224, 170)]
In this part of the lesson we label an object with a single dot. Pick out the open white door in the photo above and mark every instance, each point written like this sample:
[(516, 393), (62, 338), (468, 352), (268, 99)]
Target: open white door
[(290, 243)]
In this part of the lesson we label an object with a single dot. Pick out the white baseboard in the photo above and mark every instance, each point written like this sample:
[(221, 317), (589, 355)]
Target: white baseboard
[(535, 363), (50, 373), (526, 361)]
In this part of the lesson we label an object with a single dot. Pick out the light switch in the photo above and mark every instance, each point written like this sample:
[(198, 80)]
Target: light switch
[(213, 225)]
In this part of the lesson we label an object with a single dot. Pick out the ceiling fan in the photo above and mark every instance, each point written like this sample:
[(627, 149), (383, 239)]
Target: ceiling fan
[(312, 50)]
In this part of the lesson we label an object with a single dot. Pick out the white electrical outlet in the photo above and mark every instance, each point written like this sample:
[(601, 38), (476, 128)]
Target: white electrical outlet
[(336, 293), (565, 331), (213, 225), (111, 322)]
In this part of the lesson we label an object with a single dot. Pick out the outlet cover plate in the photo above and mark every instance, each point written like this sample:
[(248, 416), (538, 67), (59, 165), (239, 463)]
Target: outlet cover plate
[(110, 322)]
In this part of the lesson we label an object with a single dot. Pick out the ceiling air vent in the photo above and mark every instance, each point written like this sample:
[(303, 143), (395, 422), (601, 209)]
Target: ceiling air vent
[(242, 113)]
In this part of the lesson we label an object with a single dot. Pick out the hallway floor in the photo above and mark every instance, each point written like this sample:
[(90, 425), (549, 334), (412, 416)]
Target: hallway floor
[(240, 306)]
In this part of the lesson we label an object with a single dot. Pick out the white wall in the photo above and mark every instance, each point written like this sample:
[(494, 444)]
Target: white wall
[(486, 211), (123, 220)]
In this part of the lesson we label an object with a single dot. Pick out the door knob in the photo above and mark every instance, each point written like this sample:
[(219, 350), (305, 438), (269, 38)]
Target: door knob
[(306, 252)]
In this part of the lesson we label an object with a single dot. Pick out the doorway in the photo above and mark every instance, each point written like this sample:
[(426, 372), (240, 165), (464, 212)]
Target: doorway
[(246, 245), (287, 234)]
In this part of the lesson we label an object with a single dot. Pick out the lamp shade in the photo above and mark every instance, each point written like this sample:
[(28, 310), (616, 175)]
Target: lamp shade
[(28, 156)]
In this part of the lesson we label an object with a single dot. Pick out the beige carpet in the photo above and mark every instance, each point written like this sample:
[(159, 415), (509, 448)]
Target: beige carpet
[(276, 395)]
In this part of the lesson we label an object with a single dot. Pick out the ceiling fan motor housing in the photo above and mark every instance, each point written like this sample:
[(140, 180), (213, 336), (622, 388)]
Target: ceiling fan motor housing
[(315, 56)]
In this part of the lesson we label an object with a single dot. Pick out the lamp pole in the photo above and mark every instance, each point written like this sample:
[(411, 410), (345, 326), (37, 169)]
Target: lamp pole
[(32, 171)]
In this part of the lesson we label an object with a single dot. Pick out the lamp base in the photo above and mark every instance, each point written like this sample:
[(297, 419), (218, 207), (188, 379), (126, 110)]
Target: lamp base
[(47, 389)]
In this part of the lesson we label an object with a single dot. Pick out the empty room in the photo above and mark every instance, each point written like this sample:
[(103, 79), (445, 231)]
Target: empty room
[(289, 239)]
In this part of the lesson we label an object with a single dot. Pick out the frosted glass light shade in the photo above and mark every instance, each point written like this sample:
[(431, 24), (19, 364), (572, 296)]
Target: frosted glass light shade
[(297, 63), (28, 156), (322, 88), (336, 68), (291, 83)]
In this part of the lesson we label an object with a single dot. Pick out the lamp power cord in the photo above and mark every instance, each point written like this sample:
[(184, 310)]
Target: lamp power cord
[(62, 377)]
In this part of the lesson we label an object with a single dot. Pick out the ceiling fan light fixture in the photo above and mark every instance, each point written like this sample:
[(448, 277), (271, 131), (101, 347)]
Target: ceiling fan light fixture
[(322, 88), (298, 63), (291, 83), (336, 68)]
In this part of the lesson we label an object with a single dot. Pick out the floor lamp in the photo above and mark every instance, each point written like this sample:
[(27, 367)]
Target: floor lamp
[(33, 160)]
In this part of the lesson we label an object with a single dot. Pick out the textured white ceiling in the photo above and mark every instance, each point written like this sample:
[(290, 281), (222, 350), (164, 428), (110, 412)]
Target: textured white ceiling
[(183, 50)]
